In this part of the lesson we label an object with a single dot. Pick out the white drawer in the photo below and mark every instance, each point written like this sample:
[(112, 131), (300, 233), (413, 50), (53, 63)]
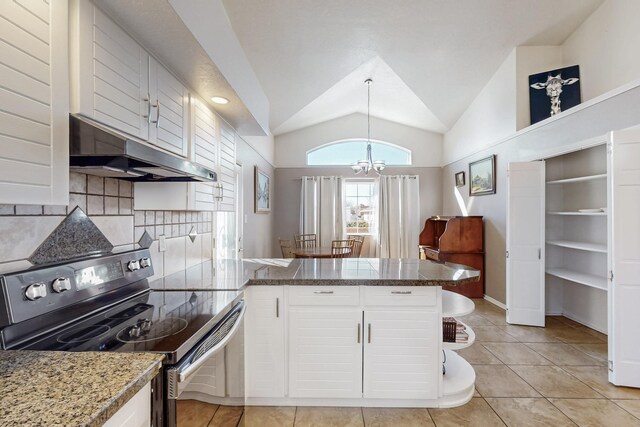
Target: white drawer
[(324, 295), (400, 295)]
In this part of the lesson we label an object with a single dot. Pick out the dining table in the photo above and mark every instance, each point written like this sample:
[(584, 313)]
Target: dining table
[(315, 252)]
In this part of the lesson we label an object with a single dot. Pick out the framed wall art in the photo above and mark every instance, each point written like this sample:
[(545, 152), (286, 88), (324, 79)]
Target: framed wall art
[(482, 176), (460, 179), (553, 92), (262, 191)]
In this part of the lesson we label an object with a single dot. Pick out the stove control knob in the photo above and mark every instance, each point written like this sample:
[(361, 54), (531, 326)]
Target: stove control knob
[(145, 262), (61, 284), (133, 265), (36, 291)]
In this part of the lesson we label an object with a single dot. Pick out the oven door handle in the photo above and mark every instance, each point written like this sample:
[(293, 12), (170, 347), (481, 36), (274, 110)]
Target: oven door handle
[(184, 375)]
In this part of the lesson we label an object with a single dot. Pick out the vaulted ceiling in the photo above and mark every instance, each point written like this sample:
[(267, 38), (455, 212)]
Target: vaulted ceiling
[(428, 58)]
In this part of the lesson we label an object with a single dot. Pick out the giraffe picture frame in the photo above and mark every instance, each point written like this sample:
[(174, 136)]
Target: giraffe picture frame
[(553, 92)]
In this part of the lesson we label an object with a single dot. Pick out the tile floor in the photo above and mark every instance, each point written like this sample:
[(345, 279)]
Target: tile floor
[(554, 376)]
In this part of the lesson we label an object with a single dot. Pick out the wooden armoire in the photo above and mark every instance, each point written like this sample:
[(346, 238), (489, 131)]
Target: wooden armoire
[(456, 239)]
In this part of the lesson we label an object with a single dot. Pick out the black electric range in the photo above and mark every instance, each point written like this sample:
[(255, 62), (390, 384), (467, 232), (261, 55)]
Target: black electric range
[(104, 303)]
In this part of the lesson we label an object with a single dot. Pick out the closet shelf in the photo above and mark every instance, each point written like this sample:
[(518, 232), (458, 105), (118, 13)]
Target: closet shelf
[(578, 179), (579, 213), (591, 247), (591, 280)]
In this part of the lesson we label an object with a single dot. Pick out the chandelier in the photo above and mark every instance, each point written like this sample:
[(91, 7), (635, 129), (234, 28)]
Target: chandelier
[(364, 166)]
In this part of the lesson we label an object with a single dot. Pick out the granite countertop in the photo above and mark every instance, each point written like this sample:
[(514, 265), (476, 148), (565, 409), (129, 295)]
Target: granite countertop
[(236, 274), (47, 388)]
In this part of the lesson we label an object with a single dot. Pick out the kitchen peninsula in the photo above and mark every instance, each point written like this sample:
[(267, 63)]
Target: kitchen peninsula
[(344, 332)]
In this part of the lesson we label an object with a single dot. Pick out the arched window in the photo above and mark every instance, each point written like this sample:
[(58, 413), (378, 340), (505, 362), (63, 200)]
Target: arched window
[(345, 153)]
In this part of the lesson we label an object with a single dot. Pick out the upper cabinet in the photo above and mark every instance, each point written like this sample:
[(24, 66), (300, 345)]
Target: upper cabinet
[(34, 102), (116, 82), (227, 168)]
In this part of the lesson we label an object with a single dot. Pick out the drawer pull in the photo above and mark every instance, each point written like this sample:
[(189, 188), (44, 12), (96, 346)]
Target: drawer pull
[(323, 292), (277, 307), (369, 329), (401, 292), (358, 333)]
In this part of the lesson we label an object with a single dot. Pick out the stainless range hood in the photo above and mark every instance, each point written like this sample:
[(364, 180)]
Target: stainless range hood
[(95, 149)]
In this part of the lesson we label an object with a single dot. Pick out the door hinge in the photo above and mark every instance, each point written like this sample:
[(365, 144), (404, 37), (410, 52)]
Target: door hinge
[(507, 254), (610, 362), (611, 275), (213, 243), (539, 253)]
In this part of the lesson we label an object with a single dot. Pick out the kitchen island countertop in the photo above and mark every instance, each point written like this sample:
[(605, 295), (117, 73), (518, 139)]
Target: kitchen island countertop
[(236, 274), (47, 388)]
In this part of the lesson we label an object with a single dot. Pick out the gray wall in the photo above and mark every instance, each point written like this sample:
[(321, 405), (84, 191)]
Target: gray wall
[(544, 140), (258, 227), (287, 199)]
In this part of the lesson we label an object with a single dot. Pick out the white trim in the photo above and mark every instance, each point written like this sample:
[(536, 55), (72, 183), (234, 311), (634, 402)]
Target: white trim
[(587, 104), (584, 322), (494, 302)]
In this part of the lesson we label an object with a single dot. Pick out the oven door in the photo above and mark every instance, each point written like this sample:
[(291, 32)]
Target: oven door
[(215, 347)]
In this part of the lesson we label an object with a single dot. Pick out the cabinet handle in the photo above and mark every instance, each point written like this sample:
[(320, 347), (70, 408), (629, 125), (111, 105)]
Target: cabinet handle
[(369, 333), (157, 121), (401, 292), (358, 333), (148, 100), (323, 292), (277, 307)]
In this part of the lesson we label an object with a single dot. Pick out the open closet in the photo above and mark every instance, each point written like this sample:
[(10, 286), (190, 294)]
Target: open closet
[(573, 243)]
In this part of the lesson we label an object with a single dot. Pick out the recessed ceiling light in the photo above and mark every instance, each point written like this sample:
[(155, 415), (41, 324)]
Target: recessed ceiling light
[(219, 100)]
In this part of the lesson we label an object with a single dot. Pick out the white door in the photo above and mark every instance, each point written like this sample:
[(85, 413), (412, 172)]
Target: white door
[(624, 258), (401, 353), (325, 352), (264, 341), (525, 243)]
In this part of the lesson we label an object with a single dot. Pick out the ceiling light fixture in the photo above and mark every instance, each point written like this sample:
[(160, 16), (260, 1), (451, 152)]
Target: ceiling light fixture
[(219, 100), (364, 166)]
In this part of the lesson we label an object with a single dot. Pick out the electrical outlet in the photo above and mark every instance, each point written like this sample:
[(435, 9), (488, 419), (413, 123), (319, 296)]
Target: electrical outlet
[(162, 243)]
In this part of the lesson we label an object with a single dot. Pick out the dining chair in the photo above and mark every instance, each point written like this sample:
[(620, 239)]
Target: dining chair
[(341, 248), (304, 241), (358, 241), (286, 248)]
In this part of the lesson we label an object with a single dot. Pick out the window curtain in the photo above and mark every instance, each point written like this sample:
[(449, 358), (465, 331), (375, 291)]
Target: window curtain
[(321, 207), (399, 216)]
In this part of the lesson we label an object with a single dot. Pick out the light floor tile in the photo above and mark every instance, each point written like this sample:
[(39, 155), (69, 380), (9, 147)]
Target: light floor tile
[(475, 320), (564, 354), (226, 416), (574, 335), (524, 412), (328, 417), (529, 334), (598, 351), (515, 354), (193, 413), (476, 354), (552, 381), (595, 412), (492, 334), (475, 413), (597, 379), (394, 417), (268, 416), (631, 406), (500, 381)]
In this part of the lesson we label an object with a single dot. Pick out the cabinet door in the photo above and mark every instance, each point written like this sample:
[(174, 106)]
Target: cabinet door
[(34, 102), (110, 72), (325, 352), (401, 353), (227, 167), (264, 341), (169, 117), (526, 243), (205, 136), (624, 258)]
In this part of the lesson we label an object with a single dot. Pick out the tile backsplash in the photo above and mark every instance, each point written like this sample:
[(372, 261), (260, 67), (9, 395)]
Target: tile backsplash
[(109, 204)]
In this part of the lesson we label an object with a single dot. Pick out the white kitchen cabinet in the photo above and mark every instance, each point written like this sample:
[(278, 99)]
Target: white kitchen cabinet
[(401, 353), (325, 352), (227, 168), (34, 102), (116, 82), (169, 127), (110, 72), (135, 413), (264, 342)]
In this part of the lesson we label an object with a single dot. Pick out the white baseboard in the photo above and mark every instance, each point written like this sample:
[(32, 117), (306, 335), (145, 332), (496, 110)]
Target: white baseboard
[(585, 323), (495, 302)]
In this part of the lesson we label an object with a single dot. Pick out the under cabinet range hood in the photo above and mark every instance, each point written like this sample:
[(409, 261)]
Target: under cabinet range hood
[(95, 149)]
